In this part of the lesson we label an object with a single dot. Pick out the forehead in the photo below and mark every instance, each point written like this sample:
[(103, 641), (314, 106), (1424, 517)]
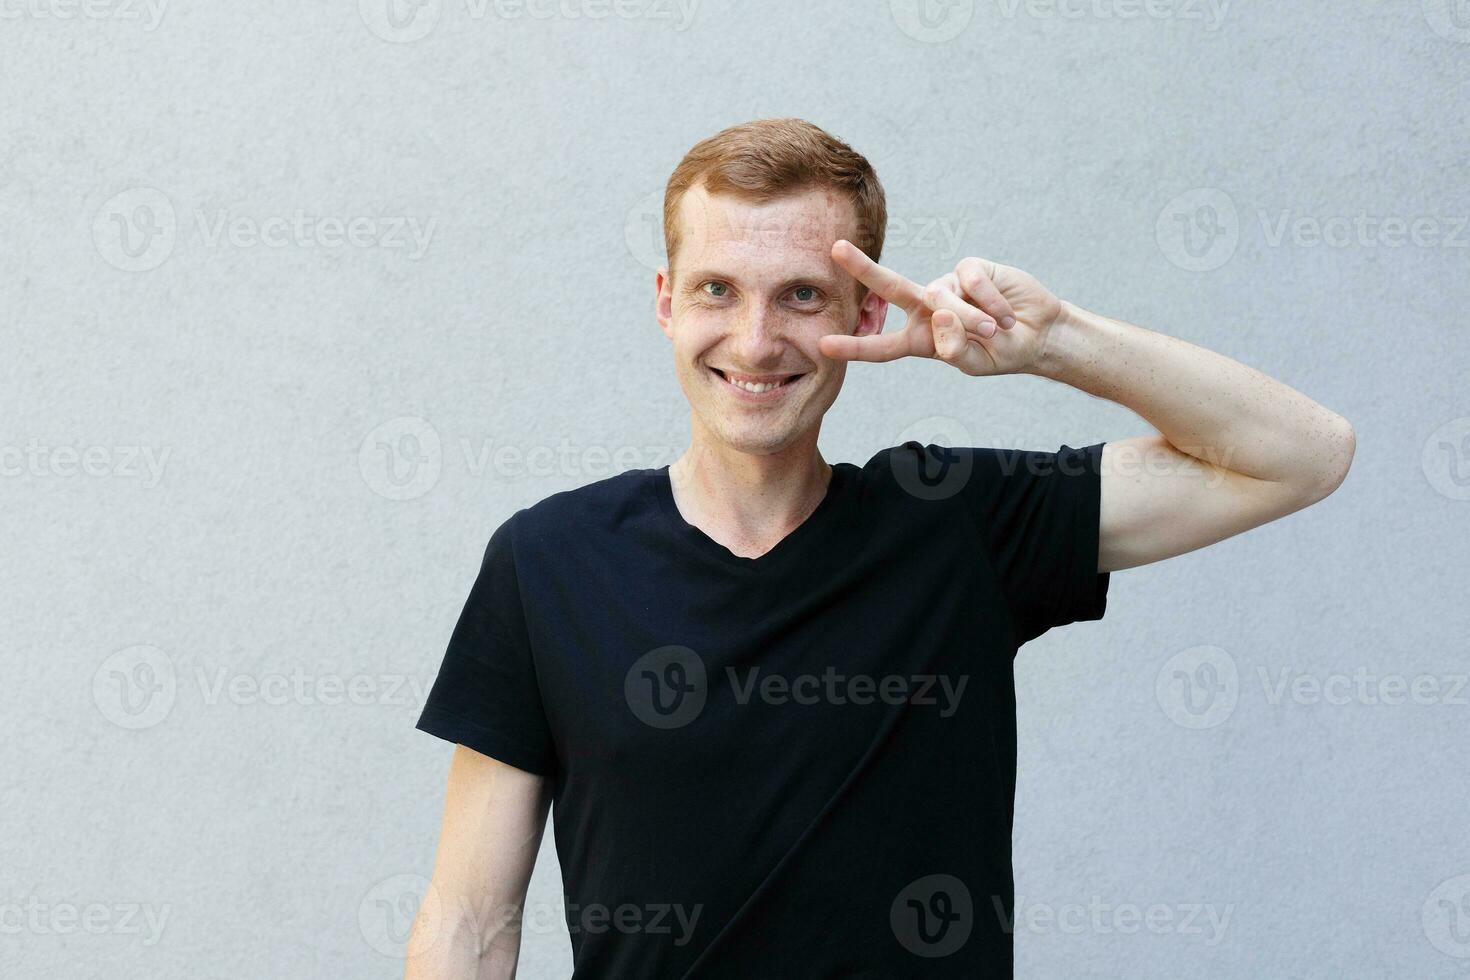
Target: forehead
[(791, 233)]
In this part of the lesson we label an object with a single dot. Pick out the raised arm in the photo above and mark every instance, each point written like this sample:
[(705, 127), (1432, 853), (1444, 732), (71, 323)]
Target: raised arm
[(1234, 449), (468, 926)]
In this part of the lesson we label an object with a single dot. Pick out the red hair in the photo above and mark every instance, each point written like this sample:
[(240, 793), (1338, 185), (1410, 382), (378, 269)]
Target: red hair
[(769, 158)]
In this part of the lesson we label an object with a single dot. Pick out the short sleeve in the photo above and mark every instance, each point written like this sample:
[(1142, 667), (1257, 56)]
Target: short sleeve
[(486, 696), (1039, 515)]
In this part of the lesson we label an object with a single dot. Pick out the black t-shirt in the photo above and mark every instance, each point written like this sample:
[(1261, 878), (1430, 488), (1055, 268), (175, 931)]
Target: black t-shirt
[(796, 765)]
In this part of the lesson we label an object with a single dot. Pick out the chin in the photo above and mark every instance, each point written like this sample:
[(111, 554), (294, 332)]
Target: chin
[(758, 443), (757, 440)]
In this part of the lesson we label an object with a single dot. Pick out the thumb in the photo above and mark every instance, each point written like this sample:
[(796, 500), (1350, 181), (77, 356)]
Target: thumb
[(872, 347)]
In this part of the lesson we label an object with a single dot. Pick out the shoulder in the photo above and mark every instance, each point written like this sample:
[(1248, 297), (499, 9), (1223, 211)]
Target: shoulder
[(932, 472), (588, 510), (988, 460)]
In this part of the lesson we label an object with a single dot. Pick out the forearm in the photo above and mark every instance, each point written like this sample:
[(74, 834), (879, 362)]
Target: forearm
[(468, 926), (1205, 404), (462, 946)]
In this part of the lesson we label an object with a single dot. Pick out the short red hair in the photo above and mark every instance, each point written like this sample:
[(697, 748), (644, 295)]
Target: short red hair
[(768, 158)]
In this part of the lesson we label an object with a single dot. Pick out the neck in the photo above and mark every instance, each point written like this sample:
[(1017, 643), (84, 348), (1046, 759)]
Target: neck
[(744, 501)]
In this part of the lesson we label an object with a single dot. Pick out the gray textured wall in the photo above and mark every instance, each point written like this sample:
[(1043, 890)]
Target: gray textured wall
[(250, 459)]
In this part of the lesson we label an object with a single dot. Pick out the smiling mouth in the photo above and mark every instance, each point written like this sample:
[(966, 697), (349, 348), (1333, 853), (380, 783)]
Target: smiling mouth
[(757, 384)]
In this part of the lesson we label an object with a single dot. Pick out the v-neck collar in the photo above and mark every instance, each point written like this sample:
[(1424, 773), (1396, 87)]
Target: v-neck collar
[(814, 527)]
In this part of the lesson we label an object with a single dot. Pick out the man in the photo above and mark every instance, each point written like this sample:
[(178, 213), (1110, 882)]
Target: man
[(772, 698)]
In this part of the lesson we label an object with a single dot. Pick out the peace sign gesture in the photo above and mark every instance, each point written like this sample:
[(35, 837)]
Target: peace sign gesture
[(984, 318)]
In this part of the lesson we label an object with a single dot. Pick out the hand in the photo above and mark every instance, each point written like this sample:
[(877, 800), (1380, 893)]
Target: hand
[(983, 318)]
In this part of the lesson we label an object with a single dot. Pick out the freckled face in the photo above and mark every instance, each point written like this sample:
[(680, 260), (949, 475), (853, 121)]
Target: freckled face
[(754, 288)]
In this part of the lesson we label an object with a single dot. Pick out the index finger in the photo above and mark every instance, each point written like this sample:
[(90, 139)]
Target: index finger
[(901, 292)]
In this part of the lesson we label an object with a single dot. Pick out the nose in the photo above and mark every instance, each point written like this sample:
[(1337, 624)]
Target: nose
[(757, 339)]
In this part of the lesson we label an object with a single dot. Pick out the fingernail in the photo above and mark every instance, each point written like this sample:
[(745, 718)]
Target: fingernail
[(1007, 322)]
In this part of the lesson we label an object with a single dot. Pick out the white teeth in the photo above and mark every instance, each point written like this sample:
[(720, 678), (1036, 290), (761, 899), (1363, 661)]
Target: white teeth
[(755, 387)]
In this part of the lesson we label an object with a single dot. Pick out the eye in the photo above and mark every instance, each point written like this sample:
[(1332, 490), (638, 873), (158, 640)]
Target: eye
[(805, 294), (717, 289)]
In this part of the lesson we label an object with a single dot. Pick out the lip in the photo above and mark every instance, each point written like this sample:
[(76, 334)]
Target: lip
[(775, 394)]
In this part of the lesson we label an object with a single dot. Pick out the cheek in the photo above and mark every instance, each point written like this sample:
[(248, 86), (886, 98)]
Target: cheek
[(696, 330), (809, 339)]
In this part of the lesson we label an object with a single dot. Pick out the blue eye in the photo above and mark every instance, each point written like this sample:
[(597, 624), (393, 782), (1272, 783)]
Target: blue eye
[(811, 294), (716, 285)]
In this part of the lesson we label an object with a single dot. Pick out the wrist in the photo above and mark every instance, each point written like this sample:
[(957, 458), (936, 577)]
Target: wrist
[(1064, 343)]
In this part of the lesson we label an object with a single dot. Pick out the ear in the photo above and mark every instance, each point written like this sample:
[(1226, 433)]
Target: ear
[(663, 301), (871, 315)]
